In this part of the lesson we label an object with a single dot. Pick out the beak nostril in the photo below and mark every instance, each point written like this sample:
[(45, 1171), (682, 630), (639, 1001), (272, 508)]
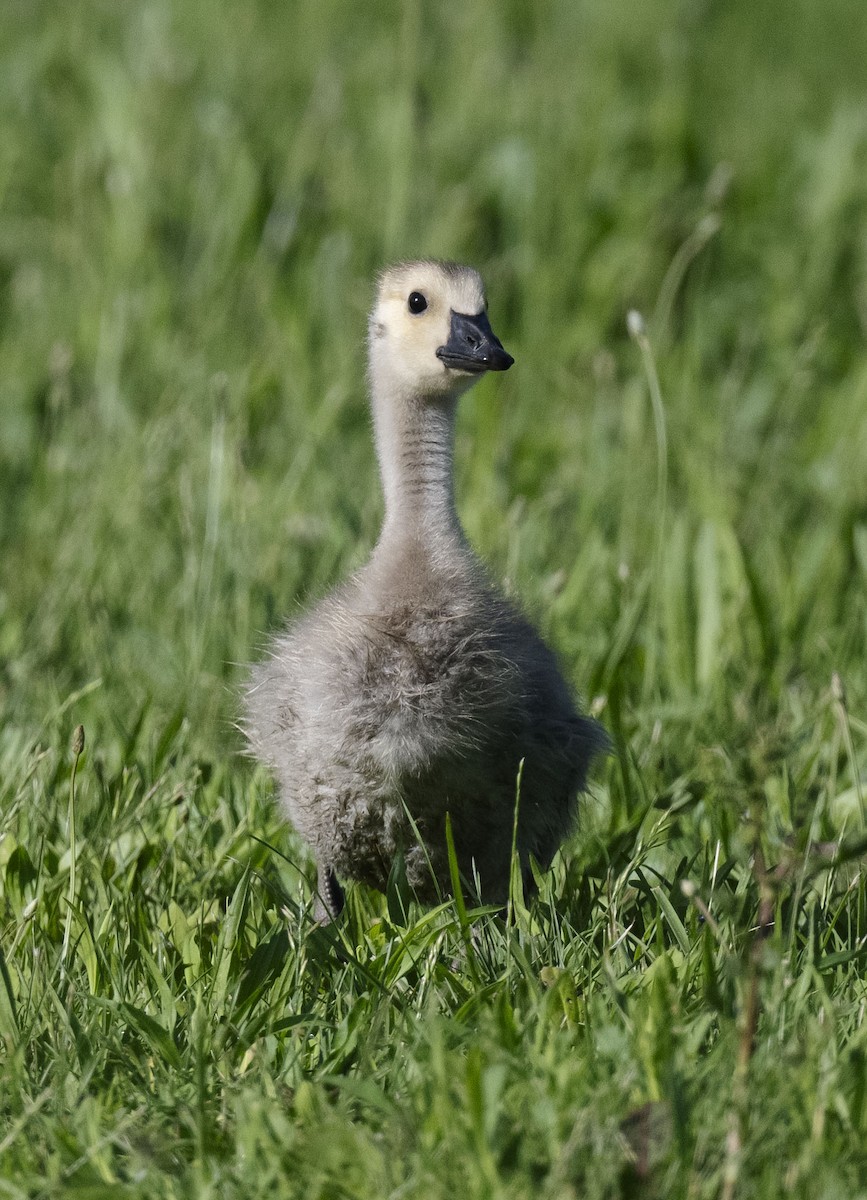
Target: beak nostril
[(473, 346)]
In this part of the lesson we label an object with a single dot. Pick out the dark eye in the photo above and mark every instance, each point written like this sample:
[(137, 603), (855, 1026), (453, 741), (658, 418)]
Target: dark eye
[(417, 302)]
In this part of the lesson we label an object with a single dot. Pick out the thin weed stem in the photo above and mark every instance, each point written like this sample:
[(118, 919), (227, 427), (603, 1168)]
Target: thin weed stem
[(460, 905), (77, 750), (838, 692), (638, 331), (514, 865)]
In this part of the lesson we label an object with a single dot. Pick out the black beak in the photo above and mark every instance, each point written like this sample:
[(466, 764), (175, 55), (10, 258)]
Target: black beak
[(473, 345)]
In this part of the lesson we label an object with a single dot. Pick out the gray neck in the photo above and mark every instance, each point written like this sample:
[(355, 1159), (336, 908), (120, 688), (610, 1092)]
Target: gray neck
[(415, 448)]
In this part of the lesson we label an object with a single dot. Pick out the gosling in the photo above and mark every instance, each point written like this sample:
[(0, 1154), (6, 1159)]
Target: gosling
[(416, 690)]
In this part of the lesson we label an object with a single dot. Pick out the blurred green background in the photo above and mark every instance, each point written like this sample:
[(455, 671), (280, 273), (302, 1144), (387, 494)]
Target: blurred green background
[(194, 199)]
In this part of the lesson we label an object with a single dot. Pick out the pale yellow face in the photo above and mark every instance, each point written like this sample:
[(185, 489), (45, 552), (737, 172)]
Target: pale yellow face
[(411, 320)]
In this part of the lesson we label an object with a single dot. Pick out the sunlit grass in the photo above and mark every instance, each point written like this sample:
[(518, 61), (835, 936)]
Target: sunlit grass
[(193, 201)]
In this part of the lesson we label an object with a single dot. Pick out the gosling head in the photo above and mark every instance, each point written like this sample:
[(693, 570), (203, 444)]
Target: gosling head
[(429, 330)]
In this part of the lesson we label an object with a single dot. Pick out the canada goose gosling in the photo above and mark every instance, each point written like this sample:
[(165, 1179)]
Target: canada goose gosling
[(415, 689)]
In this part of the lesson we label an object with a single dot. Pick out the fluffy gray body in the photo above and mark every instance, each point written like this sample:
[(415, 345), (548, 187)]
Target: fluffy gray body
[(383, 703), (416, 689)]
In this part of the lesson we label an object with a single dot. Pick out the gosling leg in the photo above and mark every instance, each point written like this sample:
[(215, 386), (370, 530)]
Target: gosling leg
[(329, 897)]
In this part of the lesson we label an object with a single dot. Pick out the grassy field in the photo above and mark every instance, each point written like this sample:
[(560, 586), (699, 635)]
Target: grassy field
[(193, 200)]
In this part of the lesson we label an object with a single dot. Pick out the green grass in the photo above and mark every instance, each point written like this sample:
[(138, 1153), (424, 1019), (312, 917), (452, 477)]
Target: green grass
[(193, 200)]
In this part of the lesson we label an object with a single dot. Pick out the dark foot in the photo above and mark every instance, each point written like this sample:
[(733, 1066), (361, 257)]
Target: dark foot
[(329, 897)]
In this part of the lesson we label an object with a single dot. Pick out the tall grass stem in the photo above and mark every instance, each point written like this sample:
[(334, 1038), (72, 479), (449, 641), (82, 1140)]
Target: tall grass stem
[(638, 330)]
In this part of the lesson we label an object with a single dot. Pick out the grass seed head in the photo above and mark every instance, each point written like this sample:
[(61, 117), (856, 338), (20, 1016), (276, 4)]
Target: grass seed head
[(635, 323)]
